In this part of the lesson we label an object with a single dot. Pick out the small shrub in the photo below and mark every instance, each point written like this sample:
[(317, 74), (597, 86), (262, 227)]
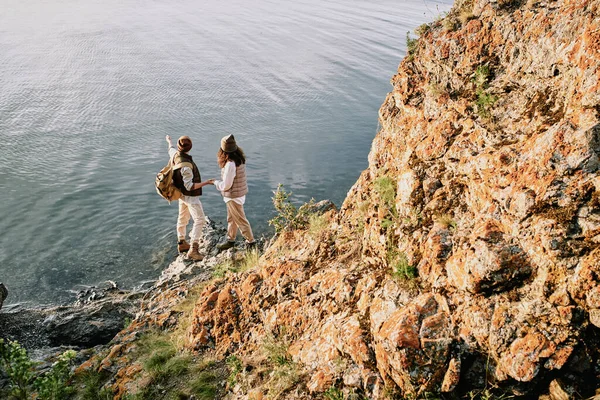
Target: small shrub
[(414, 217), (288, 216), (286, 211), (234, 364), (450, 24), (464, 11), (18, 367), (411, 45), (53, 385), (484, 101), (481, 76), (422, 29), (23, 382), (401, 268)]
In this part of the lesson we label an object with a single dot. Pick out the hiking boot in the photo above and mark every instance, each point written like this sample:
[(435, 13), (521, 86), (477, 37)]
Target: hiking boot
[(194, 253), (251, 245), (182, 246), (226, 245)]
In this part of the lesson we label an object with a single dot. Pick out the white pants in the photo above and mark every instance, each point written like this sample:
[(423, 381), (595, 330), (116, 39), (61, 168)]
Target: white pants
[(190, 207)]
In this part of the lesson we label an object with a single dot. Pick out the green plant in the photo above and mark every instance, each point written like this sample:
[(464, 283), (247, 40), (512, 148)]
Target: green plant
[(250, 260), (401, 268), (450, 24), (484, 100), (205, 385), (126, 322), (91, 383), (221, 269), (386, 188), (289, 217), (463, 9), (174, 372), (398, 262), (362, 208), (334, 393), (234, 364), (18, 367), (276, 349), (411, 45), (53, 385), (422, 29), (481, 76), (282, 378), (284, 373), (436, 89), (24, 383)]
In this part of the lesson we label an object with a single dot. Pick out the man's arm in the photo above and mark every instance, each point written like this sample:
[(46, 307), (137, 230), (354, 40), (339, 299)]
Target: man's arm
[(172, 149), (202, 184)]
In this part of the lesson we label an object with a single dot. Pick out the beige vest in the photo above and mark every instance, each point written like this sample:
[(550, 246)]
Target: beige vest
[(239, 187)]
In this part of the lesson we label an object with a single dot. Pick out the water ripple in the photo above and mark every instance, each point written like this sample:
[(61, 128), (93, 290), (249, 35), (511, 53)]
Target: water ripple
[(90, 89)]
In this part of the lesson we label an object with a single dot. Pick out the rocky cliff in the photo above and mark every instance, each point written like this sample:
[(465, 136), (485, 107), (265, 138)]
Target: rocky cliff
[(466, 258), (483, 181)]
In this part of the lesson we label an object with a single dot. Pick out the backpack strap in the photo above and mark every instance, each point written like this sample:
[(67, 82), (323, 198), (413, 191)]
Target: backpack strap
[(181, 165)]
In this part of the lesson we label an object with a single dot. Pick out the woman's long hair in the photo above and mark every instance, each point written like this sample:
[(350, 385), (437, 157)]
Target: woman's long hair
[(238, 157)]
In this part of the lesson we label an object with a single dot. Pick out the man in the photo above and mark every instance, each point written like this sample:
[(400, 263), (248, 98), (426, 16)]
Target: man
[(187, 179)]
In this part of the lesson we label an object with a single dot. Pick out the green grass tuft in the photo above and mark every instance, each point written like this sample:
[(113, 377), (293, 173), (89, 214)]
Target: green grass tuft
[(401, 268)]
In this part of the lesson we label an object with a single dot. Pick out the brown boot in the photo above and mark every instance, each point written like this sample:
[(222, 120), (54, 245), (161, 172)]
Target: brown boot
[(194, 253), (182, 246)]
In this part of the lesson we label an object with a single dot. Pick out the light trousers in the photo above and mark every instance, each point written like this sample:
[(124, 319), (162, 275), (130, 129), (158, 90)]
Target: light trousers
[(193, 209), (236, 218)]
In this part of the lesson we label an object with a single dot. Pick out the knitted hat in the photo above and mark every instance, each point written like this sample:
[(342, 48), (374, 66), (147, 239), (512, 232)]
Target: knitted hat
[(184, 144), (228, 144)]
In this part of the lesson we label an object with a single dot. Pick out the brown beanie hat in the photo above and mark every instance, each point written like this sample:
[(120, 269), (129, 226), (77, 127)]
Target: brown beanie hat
[(184, 144), (228, 144)]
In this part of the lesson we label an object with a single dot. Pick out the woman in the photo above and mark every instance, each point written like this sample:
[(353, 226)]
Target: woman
[(234, 188)]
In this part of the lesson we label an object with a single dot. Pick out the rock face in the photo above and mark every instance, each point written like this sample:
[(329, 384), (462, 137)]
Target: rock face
[(484, 178), (94, 319), (3, 294)]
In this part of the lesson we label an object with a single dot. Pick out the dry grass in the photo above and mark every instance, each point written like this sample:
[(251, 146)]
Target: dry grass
[(446, 221)]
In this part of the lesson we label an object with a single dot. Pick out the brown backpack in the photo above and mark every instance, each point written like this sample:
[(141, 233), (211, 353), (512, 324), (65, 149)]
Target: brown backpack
[(164, 184)]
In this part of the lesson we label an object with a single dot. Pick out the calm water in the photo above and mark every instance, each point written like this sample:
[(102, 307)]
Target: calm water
[(89, 89)]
